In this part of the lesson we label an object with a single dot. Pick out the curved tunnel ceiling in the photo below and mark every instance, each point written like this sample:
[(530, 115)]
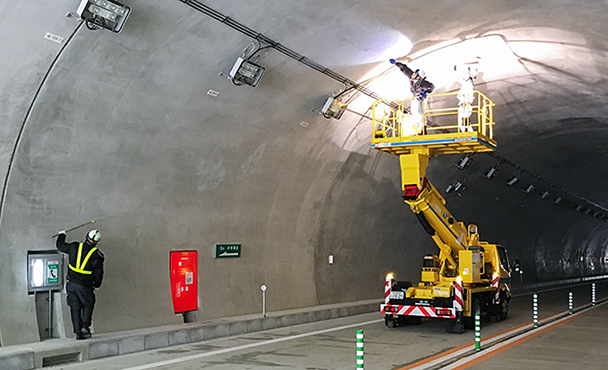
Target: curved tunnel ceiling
[(119, 128)]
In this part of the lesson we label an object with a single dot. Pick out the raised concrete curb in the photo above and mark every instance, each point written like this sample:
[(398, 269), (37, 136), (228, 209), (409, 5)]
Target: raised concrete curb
[(57, 351)]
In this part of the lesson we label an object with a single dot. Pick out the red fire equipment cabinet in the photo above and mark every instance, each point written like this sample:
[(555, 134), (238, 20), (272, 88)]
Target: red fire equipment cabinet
[(184, 278)]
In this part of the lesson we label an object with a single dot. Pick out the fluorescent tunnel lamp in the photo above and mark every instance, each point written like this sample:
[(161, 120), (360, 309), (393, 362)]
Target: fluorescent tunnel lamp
[(490, 173), (107, 14), (464, 162), (512, 180)]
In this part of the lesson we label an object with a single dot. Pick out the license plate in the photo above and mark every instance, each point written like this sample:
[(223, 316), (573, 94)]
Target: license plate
[(396, 295)]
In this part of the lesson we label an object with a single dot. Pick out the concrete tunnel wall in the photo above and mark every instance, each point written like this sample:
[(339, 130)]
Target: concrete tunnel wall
[(118, 128)]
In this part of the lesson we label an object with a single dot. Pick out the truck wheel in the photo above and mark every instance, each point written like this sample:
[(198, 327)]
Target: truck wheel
[(469, 322), (454, 327), (391, 323), (504, 306)]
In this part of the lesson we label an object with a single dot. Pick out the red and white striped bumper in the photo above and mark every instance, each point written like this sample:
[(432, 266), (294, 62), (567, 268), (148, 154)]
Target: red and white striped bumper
[(423, 311)]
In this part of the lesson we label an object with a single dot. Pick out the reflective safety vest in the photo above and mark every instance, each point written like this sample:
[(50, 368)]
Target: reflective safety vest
[(80, 266)]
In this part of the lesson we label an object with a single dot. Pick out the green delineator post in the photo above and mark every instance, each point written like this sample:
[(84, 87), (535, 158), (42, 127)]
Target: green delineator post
[(360, 349), (535, 310), (477, 331)]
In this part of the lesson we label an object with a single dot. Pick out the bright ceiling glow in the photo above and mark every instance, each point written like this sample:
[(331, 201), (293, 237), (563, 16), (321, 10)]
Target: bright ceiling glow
[(393, 45), (491, 55), (503, 55)]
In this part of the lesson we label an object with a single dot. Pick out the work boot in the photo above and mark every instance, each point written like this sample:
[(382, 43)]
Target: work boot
[(80, 336), (85, 333)]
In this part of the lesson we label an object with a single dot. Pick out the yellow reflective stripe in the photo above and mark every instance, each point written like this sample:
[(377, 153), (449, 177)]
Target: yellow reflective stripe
[(79, 255), (80, 268), (86, 259), (80, 271)]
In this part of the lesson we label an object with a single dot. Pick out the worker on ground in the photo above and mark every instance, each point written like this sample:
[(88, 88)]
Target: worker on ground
[(85, 274), (465, 96), (420, 88)]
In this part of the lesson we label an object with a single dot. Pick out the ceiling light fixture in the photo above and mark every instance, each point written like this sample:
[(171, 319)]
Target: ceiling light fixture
[(107, 14), (464, 162), (512, 180), (491, 173), (245, 72), (333, 108)]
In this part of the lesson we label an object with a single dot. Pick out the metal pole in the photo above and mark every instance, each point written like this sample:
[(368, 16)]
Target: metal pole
[(477, 331), (360, 364), (570, 303), (535, 307), (593, 294), (50, 314), (75, 227), (263, 287)]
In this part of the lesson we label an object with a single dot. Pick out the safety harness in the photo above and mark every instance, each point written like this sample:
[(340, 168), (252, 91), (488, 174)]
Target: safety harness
[(80, 266)]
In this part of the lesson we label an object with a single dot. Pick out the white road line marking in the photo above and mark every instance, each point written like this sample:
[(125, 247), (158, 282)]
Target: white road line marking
[(497, 342), (507, 342), (246, 346)]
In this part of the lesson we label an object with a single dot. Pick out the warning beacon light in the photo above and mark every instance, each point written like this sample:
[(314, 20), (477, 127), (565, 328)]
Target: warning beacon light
[(108, 14)]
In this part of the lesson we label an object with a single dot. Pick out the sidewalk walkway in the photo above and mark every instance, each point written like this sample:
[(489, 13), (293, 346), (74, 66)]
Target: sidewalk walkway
[(56, 351)]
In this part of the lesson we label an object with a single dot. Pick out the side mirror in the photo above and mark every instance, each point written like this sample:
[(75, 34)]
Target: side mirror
[(515, 265)]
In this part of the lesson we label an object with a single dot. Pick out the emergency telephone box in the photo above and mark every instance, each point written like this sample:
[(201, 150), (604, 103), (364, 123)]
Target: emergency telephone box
[(184, 280), (45, 270)]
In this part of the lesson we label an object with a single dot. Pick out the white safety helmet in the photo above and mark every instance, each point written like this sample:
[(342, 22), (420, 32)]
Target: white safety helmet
[(94, 236), (421, 73)]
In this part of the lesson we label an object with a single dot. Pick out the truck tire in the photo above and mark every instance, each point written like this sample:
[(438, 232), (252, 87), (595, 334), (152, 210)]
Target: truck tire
[(455, 326), (469, 322), (391, 323), (504, 306)]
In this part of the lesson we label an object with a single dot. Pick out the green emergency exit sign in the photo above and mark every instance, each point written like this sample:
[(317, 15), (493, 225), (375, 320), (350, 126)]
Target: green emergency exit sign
[(227, 250)]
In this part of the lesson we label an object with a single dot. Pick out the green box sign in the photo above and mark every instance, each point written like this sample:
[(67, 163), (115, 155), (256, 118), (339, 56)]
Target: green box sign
[(227, 250), (52, 276)]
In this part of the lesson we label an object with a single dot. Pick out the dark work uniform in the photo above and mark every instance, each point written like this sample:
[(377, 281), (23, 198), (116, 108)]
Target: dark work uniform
[(419, 87), (85, 272)]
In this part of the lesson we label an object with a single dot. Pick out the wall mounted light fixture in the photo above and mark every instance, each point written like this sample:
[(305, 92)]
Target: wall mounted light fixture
[(107, 14)]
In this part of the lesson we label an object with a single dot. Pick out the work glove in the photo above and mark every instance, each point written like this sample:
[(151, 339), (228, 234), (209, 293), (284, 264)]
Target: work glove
[(392, 61), (61, 232), (423, 94)]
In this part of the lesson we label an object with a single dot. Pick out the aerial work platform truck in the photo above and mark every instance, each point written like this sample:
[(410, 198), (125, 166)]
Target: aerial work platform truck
[(468, 275)]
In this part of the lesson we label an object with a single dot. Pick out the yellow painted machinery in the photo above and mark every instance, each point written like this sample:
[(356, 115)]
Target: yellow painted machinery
[(468, 275)]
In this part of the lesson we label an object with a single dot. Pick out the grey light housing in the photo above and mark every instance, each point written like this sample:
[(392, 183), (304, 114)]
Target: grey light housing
[(245, 72), (107, 14)]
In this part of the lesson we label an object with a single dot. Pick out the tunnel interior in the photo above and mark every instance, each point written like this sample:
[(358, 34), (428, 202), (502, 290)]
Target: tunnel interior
[(142, 132)]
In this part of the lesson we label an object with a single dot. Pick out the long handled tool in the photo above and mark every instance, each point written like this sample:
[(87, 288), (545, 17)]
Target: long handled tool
[(76, 227)]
